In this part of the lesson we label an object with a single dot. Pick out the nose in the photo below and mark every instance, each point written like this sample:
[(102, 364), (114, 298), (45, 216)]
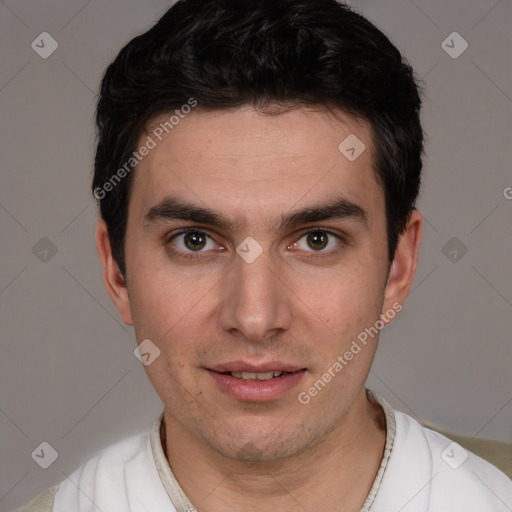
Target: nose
[(256, 304)]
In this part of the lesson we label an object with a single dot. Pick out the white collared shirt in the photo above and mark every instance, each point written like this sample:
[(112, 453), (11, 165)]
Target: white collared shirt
[(421, 471)]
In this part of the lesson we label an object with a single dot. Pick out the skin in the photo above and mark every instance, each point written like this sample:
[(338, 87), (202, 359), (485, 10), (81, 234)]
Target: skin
[(295, 303)]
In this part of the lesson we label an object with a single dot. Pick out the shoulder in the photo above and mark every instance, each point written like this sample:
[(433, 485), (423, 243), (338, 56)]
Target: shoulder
[(43, 502), (98, 476), (452, 474), (108, 465), (122, 477)]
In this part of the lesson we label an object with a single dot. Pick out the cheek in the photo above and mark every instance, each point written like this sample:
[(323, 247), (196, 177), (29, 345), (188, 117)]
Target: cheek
[(166, 306), (170, 314), (346, 297), (348, 306)]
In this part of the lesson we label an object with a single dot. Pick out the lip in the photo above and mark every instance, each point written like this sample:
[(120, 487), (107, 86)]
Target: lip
[(242, 366), (257, 390)]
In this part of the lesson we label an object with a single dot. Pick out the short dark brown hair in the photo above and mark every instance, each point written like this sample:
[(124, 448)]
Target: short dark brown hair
[(228, 53)]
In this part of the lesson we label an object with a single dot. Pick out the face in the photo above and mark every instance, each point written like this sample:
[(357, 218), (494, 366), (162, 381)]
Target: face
[(254, 246)]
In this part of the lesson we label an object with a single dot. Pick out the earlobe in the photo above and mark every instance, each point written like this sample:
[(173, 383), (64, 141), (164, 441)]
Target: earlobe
[(114, 281), (403, 268)]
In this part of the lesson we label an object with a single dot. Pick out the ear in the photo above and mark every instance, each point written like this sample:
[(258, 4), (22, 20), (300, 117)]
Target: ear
[(403, 268), (114, 281)]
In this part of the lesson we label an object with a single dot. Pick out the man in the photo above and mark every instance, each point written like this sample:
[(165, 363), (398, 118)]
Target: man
[(257, 169)]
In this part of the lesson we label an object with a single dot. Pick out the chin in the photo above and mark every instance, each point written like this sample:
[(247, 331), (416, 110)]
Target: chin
[(268, 447)]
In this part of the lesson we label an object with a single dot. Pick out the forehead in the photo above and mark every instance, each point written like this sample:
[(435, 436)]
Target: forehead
[(242, 161)]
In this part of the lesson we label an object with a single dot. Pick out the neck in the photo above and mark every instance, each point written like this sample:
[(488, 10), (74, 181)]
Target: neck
[(339, 469)]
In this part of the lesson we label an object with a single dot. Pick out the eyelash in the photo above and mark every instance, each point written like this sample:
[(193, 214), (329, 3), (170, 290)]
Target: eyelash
[(314, 254), (188, 255), (324, 254)]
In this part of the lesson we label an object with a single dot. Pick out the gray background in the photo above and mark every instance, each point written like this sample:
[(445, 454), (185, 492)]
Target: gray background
[(68, 375)]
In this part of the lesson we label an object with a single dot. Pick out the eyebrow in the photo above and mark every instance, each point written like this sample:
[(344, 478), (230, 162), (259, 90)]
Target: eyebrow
[(338, 209), (172, 208)]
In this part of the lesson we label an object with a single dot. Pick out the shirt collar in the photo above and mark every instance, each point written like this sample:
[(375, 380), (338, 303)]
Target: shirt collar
[(180, 500)]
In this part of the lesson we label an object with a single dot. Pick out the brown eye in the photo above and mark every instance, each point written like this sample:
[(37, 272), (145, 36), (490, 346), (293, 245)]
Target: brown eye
[(195, 240), (317, 240)]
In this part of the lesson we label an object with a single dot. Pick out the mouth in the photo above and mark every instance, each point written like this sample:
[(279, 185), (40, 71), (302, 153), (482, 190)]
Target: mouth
[(256, 376), (253, 383)]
